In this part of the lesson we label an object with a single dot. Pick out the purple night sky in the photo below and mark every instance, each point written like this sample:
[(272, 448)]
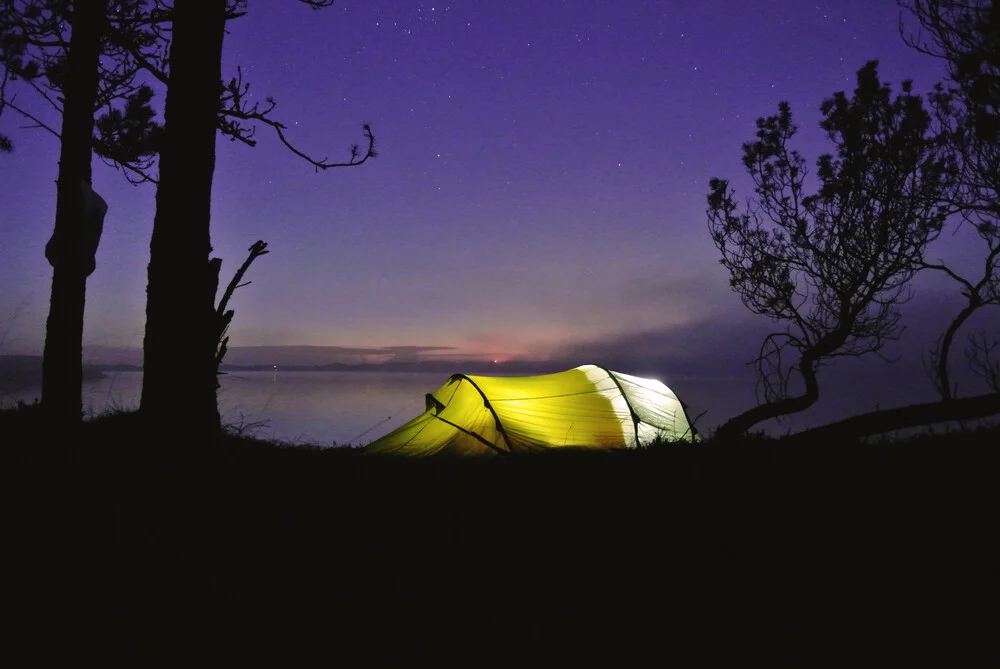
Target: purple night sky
[(540, 189)]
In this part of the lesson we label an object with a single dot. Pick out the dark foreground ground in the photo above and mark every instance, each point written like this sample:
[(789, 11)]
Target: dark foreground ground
[(117, 546)]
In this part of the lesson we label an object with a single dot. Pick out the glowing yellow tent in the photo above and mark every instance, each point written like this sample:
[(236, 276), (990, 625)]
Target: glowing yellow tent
[(585, 407)]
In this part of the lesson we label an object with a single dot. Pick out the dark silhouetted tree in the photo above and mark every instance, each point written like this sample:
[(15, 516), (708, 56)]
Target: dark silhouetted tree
[(86, 77), (135, 37), (62, 358), (832, 267), (184, 338), (180, 309), (976, 202), (966, 35)]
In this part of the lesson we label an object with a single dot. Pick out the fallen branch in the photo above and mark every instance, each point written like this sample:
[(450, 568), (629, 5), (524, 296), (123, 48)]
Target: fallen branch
[(901, 418)]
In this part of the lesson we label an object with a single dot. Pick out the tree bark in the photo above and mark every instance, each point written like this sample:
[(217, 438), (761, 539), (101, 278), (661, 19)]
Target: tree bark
[(179, 383), (63, 354), (901, 418)]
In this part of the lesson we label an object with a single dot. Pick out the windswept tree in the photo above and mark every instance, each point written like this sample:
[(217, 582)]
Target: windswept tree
[(183, 335), (834, 266), (966, 35), (75, 56), (976, 202)]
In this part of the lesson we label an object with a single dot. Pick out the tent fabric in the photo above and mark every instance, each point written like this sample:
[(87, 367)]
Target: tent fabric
[(585, 407)]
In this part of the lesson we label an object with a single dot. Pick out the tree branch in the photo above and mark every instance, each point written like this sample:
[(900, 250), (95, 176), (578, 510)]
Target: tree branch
[(258, 249), (950, 272), (38, 122), (982, 362), (236, 108), (901, 418), (223, 316)]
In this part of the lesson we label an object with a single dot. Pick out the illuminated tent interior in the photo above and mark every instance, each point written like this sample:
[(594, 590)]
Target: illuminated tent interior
[(586, 407)]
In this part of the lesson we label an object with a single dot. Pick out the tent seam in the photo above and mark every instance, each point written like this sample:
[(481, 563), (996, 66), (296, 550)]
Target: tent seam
[(632, 413), (488, 405)]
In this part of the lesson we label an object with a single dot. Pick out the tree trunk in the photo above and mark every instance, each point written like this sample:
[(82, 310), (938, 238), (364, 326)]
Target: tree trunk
[(901, 418), (945, 349), (63, 355), (179, 382), (738, 425)]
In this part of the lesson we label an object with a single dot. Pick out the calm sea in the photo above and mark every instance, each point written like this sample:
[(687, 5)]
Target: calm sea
[(323, 408), (341, 408)]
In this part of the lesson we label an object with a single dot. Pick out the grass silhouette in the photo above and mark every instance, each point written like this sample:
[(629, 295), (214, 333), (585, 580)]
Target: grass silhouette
[(121, 545)]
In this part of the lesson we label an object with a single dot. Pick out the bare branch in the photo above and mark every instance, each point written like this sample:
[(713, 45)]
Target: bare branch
[(947, 270), (237, 107), (38, 123), (982, 359), (134, 175), (224, 316), (54, 103), (324, 164)]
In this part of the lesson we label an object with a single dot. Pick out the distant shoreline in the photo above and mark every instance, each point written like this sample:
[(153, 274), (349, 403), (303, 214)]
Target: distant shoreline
[(434, 367), (26, 370)]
